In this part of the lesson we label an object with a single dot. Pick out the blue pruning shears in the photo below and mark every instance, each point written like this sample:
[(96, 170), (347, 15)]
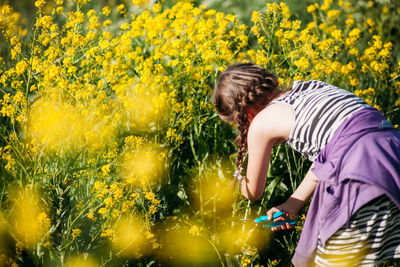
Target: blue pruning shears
[(266, 223)]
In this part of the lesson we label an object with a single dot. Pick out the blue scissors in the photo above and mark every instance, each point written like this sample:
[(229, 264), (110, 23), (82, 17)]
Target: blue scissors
[(266, 223)]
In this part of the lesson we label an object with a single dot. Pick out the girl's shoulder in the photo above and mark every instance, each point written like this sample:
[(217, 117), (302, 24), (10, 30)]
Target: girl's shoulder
[(274, 121)]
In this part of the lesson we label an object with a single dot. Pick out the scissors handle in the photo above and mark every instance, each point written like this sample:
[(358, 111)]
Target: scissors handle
[(265, 217), (278, 224)]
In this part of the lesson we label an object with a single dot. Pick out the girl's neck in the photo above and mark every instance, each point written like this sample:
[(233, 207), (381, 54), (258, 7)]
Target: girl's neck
[(253, 110)]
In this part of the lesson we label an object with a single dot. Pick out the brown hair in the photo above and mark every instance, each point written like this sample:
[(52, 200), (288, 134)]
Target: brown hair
[(239, 87)]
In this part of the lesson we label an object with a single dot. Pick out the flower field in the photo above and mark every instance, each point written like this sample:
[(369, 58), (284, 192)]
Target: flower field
[(111, 153)]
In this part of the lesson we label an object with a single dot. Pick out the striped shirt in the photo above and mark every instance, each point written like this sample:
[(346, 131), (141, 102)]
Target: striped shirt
[(373, 236), (319, 109)]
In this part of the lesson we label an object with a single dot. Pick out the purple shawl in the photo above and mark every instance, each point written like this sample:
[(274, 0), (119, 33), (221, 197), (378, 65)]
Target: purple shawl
[(359, 163)]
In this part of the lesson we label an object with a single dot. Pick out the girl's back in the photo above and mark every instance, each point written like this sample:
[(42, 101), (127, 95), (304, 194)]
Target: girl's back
[(319, 109)]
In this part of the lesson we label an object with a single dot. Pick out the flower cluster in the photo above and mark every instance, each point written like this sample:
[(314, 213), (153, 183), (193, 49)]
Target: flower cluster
[(335, 47)]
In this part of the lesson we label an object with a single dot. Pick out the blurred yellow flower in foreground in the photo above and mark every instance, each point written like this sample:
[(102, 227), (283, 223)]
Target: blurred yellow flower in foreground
[(81, 261), (183, 249), (130, 237), (58, 126), (217, 193), (146, 109), (243, 235), (29, 221), (144, 166)]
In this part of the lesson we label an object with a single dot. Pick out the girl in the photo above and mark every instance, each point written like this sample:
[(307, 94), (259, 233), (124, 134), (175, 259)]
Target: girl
[(354, 216)]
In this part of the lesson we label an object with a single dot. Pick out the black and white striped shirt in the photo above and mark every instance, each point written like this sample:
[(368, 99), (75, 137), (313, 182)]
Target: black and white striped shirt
[(319, 109), (373, 236)]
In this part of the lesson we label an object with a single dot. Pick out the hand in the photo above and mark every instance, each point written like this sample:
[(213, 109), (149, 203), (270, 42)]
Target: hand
[(290, 209), (284, 217)]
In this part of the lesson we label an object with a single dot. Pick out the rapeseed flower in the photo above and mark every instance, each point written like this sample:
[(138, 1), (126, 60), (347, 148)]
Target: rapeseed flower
[(129, 237), (30, 222), (81, 261), (144, 166)]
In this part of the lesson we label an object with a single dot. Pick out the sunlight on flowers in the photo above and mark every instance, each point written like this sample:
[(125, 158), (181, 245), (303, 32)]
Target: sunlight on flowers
[(182, 248), (129, 237), (243, 235), (28, 218), (144, 166), (83, 260), (217, 194), (146, 107), (61, 127), (54, 125)]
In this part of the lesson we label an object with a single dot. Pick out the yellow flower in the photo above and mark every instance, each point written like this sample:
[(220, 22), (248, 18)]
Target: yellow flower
[(273, 7), (98, 185), (107, 23), (152, 209), (107, 233), (355, 33), (245, 261), (125, 26), (19, 246), (332, 14), (370, 22), (105, 170), (30, 223), (59, 10), (40, 3), (349, 21), (311, 8), (149, 195), (44, 21), (76, 233), (256, 17), (384, 53), (108, 201), (337, 35), (106, 11), (118, 193), (157, 7), (121, 9), (135, 196), (139, 2), (285, 10), (18, 98), (302, 63), (354, 81), (90, 216), (194, 230), (103, 211)]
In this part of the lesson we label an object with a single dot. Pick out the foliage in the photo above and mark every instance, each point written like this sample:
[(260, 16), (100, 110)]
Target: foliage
[(110, 140)]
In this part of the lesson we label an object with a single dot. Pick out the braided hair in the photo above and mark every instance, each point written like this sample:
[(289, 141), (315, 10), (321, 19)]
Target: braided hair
[(238, 88)]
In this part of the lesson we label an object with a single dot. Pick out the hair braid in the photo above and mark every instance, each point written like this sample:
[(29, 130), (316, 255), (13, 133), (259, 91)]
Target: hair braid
[(239, 87), (243, 123)]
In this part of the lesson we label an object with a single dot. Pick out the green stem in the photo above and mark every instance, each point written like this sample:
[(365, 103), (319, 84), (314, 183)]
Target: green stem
[(216, 251)]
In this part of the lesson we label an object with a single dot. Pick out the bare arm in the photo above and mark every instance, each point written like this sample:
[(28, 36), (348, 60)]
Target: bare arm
[(252, 186), (297, 199), (302, 193), (271, 126)]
